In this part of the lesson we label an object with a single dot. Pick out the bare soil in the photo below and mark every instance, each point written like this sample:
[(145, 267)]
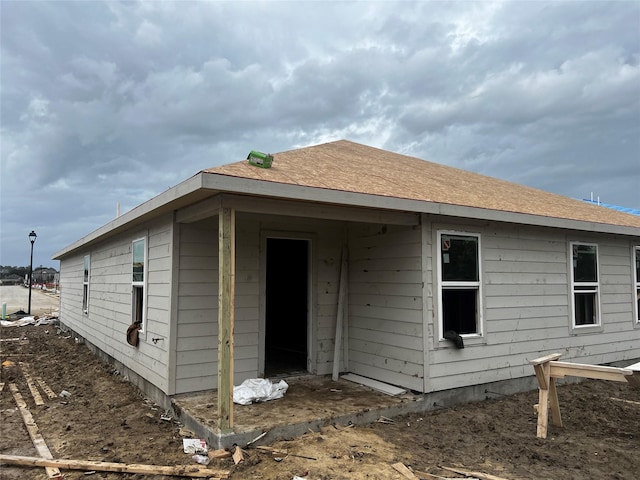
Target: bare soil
[(106, 419)]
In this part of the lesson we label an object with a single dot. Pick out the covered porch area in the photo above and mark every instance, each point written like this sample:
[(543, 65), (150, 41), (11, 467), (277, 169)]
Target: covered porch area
[(311, 402)]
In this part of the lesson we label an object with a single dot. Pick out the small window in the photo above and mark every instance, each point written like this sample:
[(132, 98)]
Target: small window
[(637, 282), (85, 286), (460, 296), (138, 297), (585, 285)]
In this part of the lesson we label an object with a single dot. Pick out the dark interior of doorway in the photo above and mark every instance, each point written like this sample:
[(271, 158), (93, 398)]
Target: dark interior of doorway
[(286, 306)]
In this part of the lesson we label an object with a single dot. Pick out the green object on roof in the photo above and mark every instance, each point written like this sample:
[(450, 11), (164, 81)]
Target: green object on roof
[(259, 159)]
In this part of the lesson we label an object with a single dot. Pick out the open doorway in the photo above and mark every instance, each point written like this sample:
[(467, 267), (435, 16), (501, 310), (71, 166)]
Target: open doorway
[(287, 306)]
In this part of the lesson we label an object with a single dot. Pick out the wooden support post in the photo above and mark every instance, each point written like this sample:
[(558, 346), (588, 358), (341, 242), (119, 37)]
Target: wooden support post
[(342, 290), (548, 369), (556, 418), (226, 301), (543, 399)]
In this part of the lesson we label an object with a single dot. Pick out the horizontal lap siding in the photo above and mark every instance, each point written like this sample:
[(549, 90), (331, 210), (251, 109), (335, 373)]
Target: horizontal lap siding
[(197, 342), (197, 325), (247, 300), (110, 309), (526, 289), (385, 304)]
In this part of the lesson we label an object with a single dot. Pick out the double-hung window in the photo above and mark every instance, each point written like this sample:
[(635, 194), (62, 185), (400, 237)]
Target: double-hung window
[(85, 285), (637, 281), (459, 283), (585, 284), (138, 297)]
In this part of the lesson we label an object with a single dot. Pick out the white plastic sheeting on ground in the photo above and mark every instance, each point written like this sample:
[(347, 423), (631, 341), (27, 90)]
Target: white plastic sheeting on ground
[(258, 390), (28, 321)]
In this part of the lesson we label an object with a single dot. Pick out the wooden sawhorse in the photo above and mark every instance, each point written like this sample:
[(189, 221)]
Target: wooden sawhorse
[(548, 368)]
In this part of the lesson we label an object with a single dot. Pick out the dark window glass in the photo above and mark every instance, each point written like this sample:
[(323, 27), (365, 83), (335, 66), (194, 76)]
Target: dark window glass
[(584, 263), (585, 308), (459, 258), (86, 268), (138, 303), (460, 310)]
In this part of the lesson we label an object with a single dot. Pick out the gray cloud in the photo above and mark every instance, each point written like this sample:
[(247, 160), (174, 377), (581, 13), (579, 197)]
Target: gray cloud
[(107, 102)]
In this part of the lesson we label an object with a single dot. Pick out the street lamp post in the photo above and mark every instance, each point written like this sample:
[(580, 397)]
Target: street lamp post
[(32, 239)]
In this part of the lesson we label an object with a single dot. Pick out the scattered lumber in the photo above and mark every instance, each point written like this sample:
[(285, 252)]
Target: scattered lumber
[(429, 476), (179, 470), (37, 398), (284, 453), (548, 369), (217, 454), (468, 473), (50, 393), (34, 432), (403, 470), (610, 398), (237, 455)]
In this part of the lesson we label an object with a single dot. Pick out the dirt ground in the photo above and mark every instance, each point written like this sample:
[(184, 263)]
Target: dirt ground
[(106, 419)]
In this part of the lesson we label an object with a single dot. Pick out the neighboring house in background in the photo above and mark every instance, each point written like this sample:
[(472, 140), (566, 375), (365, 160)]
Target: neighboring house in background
[(12, 279), (44, 275), (516, 272)]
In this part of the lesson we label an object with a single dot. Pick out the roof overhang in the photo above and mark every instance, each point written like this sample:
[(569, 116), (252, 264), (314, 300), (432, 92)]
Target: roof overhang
[(204, 185)]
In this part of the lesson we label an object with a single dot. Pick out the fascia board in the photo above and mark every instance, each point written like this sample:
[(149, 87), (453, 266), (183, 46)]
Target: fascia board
[(296, 192)]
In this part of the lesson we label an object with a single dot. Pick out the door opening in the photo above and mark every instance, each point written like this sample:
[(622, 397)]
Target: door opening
[(287, 306)]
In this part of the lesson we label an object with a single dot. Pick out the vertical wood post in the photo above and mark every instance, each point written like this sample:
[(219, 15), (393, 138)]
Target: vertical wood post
[(342, 291), (226, 301)]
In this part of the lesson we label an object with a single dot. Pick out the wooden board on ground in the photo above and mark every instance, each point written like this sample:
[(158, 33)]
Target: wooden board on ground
[(179, 470), (468, 473), (50, 393), (403, 470), (37, 398), (375, 384), (34, 433)]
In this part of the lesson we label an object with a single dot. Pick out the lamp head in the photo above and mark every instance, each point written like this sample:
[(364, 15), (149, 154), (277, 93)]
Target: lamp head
[(32, 237)]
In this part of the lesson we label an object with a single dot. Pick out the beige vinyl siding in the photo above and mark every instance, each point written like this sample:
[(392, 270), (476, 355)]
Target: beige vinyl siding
[(527, 308), (385, 304), (110, 309)]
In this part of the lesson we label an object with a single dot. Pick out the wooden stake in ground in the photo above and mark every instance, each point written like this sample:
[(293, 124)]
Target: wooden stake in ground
[(34, 433), (180, 470)]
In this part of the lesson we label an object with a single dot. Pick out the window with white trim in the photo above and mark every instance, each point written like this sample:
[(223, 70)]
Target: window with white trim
[(637, 281), (85, 285), (138, 284), (585, 285), (459, 283)]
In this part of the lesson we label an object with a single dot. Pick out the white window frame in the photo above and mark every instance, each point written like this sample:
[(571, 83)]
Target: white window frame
[(136, 286), (86, 275), (585, 287), (442, 285), (636, 283)]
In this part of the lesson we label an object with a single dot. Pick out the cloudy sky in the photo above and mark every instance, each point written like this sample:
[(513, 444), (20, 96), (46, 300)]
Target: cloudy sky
[(107, 102)]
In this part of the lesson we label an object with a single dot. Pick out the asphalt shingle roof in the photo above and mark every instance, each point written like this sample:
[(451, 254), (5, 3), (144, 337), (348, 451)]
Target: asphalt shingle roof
[(351, 167)]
